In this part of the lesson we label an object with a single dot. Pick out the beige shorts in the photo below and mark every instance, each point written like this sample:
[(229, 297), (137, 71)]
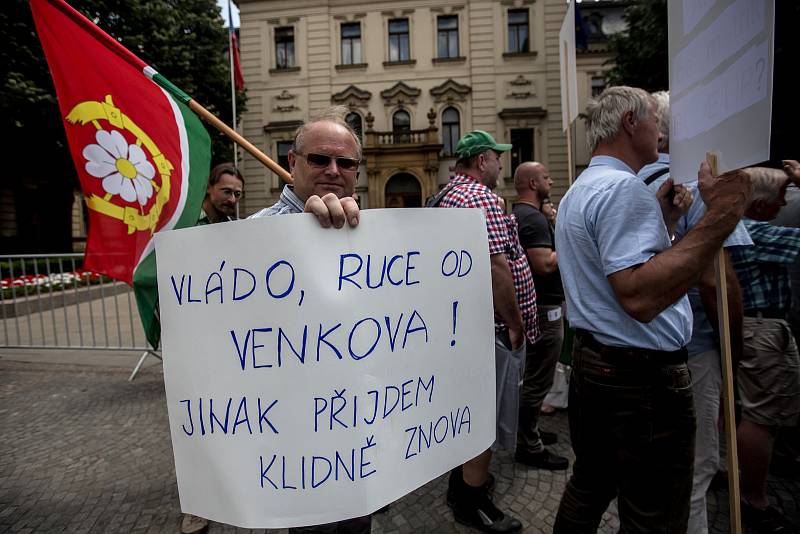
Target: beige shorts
[(769, 373)]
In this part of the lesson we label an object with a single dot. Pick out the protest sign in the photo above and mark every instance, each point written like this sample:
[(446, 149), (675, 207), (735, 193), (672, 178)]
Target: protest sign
[(568, 68), (720, 80), (314, 374)]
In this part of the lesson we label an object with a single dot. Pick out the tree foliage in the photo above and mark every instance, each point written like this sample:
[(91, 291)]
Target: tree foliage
[(642, 54), (183, 39)]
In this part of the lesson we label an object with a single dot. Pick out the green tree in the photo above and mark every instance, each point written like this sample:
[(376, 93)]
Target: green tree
[(642, 53), (183, 39)]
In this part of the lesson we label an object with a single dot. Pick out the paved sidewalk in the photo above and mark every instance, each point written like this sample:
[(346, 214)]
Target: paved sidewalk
[(85, 451)]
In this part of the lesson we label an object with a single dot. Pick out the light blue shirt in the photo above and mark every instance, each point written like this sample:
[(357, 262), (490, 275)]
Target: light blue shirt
[(607, 222), (704, 338)]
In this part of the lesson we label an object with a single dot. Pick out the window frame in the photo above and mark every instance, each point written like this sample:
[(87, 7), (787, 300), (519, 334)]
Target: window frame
[(360, 130), (513, 30), (403, 133), (399, 36), (449, 145), (351, 40), (285, 45), (448, 34)]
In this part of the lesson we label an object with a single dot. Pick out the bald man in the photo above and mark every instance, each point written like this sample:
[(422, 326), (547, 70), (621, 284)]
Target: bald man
[(533, 183)]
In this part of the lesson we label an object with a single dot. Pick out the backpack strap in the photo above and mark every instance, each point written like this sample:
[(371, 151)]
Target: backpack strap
[(652, 178), (436, 199)]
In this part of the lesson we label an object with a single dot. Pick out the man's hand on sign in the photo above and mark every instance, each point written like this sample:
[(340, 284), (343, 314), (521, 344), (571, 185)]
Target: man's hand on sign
[(675, 201), (726, 195), (792, 168), (333, 211)]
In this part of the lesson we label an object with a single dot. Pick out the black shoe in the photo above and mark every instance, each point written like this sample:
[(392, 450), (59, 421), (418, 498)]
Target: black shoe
[(542, 460), (769, 520), (474, 508), (548, 438), (456, 482)]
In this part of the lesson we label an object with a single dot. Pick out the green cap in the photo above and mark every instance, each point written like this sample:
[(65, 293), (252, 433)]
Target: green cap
[(476, 142)]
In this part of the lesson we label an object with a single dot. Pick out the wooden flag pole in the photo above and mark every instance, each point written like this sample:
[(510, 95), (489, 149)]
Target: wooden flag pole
[(727, 379), (233, 87), (241, 141)]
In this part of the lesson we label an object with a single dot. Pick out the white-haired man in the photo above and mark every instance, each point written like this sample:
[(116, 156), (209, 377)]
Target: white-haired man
[(631, 415), (703, 347)]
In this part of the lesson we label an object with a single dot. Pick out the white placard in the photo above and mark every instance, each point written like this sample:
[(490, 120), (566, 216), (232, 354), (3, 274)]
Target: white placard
[(720, 84), (314, 374), (693, 12), (569, 71)]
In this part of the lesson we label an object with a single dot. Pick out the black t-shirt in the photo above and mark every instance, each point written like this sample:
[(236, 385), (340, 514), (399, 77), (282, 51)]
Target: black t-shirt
[(535, 232)]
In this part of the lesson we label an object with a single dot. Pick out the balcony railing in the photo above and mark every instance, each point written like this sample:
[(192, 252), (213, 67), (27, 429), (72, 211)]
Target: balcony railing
[(405, 137)]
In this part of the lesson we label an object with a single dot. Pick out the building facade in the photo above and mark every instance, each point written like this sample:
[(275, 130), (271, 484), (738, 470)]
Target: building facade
[(415, 76)]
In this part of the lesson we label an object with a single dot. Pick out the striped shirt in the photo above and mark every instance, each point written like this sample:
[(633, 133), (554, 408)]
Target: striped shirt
[(289, 202), (503, 238)]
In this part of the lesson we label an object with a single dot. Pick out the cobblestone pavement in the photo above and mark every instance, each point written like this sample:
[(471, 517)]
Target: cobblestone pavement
[(85, 451)]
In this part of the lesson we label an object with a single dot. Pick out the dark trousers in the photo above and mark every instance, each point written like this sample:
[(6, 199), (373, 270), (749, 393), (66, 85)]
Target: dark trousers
[(357, 525), (632, 426), (540, 366)]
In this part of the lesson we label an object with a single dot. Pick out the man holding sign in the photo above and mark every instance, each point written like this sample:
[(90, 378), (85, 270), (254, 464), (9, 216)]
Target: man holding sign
[(632, 419), (324, 163), (703, 348)]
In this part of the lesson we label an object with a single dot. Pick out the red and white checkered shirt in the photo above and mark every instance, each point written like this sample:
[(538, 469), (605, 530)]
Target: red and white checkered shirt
[(503, 238)]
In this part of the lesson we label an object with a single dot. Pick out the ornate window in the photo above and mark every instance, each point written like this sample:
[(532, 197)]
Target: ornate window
[(353, 119), (401, 126), (451, 131)]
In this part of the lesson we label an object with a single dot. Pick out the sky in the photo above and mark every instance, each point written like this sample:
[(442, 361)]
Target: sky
[(223, 4)]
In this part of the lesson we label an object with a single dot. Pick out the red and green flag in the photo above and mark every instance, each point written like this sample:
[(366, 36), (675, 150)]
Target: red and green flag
[(141, 154)]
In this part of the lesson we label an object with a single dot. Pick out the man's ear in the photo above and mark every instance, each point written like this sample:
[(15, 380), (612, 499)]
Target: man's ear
[(629, 122), (292, 159)]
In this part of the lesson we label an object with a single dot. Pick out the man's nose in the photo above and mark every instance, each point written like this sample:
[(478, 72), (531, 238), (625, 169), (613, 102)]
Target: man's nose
[(332, 167)]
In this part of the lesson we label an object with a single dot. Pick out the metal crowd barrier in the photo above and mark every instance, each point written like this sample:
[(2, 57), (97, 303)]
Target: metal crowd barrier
[(48, 301)]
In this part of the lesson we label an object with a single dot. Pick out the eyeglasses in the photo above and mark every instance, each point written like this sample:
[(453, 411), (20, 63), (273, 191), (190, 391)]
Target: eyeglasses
[(322, 161)]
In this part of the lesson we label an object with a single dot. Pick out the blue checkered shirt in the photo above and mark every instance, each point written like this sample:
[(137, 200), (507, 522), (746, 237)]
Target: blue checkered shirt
[(763, 268), (288, 203)]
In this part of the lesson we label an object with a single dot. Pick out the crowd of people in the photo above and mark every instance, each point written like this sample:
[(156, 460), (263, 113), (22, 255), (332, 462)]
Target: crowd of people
[(626, 263)]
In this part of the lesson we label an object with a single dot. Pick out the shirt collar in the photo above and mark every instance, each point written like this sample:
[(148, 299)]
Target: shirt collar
[(663, 158), (204, 218), (465, 178), (289, 197), (610, 161)]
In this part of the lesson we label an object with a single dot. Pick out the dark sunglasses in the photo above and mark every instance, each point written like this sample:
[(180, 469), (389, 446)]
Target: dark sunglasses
[(323, 160)]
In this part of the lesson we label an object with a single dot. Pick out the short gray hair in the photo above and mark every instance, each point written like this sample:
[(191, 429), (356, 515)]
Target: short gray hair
[(604, 115), (661, 99), (334, 114), (767, 183)]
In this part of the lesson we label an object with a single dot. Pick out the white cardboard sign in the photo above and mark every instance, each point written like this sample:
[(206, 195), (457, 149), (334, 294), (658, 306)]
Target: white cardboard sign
[(720, 83), (568, 66), (314, 374)]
